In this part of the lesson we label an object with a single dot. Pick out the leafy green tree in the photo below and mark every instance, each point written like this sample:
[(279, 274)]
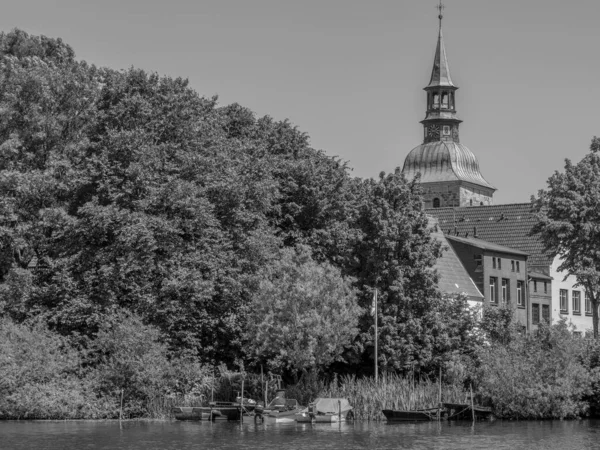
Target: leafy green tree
[(41, 375), (303, 315), (537, 377), (568, 214), (395, 255)]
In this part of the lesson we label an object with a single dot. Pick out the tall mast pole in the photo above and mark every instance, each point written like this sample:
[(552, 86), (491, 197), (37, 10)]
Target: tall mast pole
[(376, 339)]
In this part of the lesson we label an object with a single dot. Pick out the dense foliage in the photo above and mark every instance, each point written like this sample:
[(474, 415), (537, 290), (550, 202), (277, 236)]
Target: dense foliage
[(550, 375), (127, 191), (568, 214)]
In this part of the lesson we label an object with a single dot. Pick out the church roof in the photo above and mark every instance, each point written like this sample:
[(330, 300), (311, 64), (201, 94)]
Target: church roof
[(444, 161), (440, 75), (507, 225)]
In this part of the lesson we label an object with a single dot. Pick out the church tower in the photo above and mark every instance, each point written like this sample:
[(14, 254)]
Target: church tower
[(449, 171)]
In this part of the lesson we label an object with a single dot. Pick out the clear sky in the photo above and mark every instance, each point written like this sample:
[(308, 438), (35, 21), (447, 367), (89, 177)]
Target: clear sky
[(350, 73)]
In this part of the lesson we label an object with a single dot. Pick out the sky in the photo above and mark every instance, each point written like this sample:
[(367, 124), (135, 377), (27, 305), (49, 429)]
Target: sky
[(350, 73)]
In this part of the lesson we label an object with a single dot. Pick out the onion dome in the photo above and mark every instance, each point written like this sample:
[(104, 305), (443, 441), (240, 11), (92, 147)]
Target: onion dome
[(443, 161)]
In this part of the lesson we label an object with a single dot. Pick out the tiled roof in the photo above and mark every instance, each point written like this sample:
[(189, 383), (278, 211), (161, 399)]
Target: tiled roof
[(507, 225), (453, 277), (485, 245)]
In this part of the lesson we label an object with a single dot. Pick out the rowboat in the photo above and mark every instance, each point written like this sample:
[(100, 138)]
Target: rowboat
[(214, 411), (326, 410), (280, 410), (464, 411), (419, 415)]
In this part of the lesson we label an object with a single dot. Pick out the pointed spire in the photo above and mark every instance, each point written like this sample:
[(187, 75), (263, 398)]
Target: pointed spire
[(440, 75)]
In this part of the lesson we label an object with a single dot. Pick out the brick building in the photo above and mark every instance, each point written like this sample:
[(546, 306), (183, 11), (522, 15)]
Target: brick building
[(497, 271)]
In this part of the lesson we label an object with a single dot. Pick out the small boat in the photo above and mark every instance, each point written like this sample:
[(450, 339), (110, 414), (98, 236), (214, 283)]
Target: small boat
[(464, 411), (280, 410), (419, 415), (326, 410), (186, 413), (215, 410)]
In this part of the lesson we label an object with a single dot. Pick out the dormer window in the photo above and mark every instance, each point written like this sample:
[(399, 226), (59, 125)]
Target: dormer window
[(436, 202)]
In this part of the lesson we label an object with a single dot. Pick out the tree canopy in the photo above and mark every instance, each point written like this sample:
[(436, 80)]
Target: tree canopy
[(568, 214), (126, 190)]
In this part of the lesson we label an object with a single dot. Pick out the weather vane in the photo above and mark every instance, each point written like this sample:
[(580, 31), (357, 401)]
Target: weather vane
[(440, 8)]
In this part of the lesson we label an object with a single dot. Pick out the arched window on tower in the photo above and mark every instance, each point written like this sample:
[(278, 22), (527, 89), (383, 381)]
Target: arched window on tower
[(436, 202), (436, 101), (445, 100)]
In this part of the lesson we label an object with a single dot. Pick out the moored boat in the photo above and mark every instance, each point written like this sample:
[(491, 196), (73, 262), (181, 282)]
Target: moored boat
[(326, 410), (464, 411), (280, 410), (421, 415), (215, 411)]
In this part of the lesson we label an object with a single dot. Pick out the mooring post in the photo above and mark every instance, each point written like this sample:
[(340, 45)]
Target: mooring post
[(242, 403), (472, 404), (121, 410), (440, 396)]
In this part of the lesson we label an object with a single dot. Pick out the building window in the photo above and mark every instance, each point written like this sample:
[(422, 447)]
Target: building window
[(535, 313), (436, 202), (444, 100), (520, 294), (478, 263), (545, 287), (588, 305), (534, 286), (499, 263), (494, 262), (446, 130), (564, 301), (512, 264), (546, 313), (493, 290), (518, 267), (576, 302), (505, 290)]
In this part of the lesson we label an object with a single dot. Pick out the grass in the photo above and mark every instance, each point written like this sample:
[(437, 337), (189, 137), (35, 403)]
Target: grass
[(391, 392)]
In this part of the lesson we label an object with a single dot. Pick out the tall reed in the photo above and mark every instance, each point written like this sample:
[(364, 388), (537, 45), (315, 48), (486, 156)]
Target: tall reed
[(391, 392)]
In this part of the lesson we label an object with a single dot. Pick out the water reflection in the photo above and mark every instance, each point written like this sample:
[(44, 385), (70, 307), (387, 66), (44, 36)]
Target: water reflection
[(151, 435)]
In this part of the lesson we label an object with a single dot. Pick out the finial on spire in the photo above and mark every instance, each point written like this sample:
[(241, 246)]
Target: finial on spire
[(441, 8)]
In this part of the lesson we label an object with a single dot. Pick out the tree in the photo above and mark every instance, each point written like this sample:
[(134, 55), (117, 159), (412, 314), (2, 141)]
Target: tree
[(303, 315), (396, 255), (568, 214)]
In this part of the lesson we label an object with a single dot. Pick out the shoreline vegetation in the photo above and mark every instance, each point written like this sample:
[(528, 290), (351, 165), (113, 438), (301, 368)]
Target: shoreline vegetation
[(47, 376), (155, 244)]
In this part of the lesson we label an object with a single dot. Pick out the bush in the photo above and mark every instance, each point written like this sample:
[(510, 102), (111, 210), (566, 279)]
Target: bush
[(537, 377), (41, 376)]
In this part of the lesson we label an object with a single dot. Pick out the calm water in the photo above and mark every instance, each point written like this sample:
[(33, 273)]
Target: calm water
[(360, 435)]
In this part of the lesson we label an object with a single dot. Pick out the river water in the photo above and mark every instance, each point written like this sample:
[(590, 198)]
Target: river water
[(151, 435)]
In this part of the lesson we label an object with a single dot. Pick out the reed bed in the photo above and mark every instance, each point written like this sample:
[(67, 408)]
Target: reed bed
[(391, 392)]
